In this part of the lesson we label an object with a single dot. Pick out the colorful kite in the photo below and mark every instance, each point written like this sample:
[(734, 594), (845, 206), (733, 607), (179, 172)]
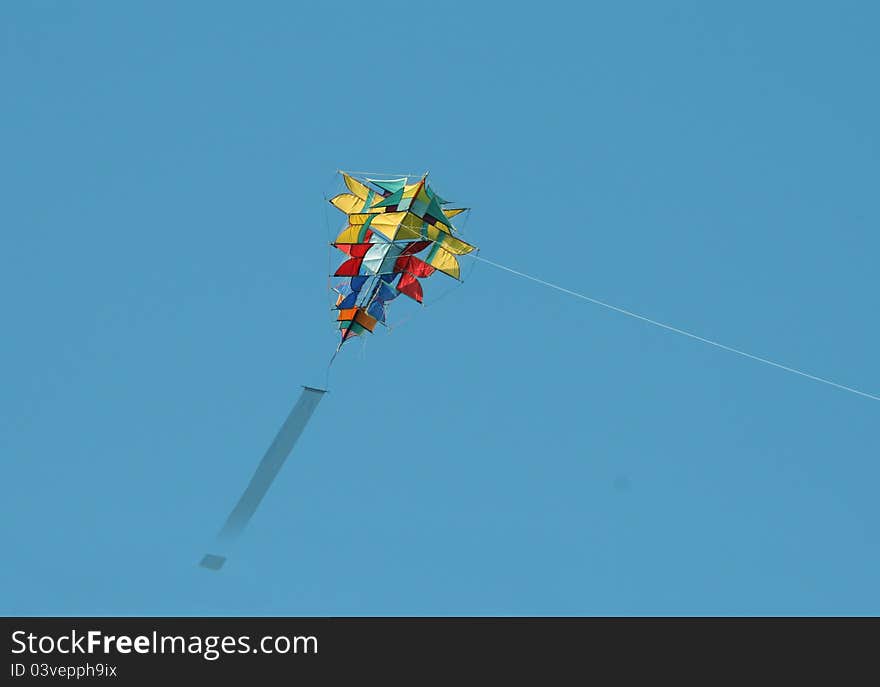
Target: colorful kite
[(397, 233)]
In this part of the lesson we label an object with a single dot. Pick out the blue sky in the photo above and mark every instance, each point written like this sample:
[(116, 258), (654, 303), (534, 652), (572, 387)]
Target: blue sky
[(507, 450)]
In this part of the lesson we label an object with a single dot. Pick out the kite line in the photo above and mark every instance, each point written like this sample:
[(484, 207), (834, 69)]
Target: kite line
[(676, 330)]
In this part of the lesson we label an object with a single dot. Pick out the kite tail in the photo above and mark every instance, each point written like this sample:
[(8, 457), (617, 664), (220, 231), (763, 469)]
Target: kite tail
[(266, 472)]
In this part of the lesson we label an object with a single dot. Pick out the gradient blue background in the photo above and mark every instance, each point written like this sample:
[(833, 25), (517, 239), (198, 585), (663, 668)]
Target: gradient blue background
[(509, 450)]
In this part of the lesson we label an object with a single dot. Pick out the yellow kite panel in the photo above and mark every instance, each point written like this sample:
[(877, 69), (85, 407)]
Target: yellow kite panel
[(348, 203), (350, 235), (445, 262), (356, 187), (397, 226), (449, 242)]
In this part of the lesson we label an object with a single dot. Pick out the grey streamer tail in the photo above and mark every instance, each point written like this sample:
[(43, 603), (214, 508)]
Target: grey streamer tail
[(266, 472)]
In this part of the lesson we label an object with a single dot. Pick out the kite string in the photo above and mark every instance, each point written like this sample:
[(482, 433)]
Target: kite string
[(676, 330)]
